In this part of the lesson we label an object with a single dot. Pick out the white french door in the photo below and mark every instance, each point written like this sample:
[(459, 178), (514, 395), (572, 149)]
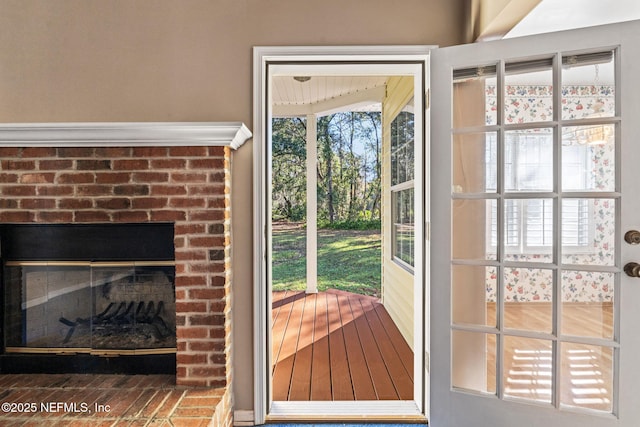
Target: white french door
[(535, 183)]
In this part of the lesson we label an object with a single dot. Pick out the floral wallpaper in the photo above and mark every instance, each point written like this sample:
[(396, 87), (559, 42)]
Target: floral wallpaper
[(525, 103), (581, 101), (531, 104)]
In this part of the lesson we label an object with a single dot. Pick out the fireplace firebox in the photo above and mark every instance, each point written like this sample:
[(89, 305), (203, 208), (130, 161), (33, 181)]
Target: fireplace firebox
[(88, 298)]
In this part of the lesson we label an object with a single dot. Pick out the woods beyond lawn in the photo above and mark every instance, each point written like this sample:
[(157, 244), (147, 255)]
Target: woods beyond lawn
[(348, 260)]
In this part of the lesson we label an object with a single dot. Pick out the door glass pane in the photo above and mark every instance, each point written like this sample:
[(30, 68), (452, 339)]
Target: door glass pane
[(528, 297), (474, 295), (588, 158), (528, 230), (544, 178), (474, 97), (528, 92), (475, 162), (472, 229), (587, 303), (528, 160), (588, 86), (527, 368), (474, 361), (586, 376), (588, 231)]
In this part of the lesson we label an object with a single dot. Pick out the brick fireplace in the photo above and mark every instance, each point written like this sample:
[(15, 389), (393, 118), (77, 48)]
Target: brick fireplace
[(141, 173)]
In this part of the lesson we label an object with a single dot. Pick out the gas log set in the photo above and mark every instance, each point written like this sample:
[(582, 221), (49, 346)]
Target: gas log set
[(119, 320)]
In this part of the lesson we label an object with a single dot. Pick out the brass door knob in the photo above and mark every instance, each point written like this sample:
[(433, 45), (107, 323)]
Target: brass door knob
[(632, 237), (632, 269)]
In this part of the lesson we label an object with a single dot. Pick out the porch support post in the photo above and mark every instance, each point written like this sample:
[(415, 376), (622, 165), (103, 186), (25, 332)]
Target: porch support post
[(312, 205)]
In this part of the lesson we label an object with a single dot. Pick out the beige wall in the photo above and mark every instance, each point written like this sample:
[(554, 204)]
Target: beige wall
[(187, 60)]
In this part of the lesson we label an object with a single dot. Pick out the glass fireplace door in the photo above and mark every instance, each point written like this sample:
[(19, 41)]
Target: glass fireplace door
[(89, 307)]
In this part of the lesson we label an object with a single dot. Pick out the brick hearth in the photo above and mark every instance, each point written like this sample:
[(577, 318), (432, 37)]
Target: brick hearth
[(107, 400)]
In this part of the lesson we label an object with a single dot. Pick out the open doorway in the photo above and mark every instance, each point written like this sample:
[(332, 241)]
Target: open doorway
[(343, 282), (332, 337)]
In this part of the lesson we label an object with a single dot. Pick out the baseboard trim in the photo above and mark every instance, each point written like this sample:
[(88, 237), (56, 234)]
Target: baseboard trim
[(242, 418)]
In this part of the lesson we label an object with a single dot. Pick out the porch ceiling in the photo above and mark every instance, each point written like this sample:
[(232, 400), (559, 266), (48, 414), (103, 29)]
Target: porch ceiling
[(323, 95)]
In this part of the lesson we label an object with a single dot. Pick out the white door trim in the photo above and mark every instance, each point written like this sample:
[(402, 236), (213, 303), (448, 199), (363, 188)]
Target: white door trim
[(262, 56)]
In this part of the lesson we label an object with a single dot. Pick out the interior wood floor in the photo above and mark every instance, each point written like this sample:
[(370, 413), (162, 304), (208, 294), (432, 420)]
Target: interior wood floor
[(336, 345), (586, 371)]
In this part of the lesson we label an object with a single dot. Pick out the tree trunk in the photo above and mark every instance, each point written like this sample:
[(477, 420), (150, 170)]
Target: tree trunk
[(325, 140), (378, 164), (329, 176)]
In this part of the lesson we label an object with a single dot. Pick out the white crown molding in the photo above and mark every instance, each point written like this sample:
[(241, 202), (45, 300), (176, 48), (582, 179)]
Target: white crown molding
[(123, 134)]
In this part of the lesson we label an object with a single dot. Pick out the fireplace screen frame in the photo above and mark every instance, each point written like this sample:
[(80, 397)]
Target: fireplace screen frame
[(95, 244)]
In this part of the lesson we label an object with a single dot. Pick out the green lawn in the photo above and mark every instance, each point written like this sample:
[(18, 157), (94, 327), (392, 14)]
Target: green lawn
[(348, 260)]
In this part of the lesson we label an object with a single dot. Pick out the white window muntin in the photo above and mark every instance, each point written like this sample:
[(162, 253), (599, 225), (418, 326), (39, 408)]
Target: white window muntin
[(404, 259), (402, 157)]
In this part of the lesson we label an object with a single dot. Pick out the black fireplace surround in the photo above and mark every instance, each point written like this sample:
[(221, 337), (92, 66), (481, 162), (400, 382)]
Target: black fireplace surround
[(87, 298)]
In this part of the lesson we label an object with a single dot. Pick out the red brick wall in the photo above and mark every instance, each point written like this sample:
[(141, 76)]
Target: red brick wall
[(188, 186)]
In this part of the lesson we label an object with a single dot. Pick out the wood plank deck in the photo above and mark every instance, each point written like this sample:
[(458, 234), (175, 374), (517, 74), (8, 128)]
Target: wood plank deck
[(336, 345)]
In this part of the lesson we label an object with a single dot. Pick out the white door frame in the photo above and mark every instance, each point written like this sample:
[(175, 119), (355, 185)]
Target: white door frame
[(353, 56)]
